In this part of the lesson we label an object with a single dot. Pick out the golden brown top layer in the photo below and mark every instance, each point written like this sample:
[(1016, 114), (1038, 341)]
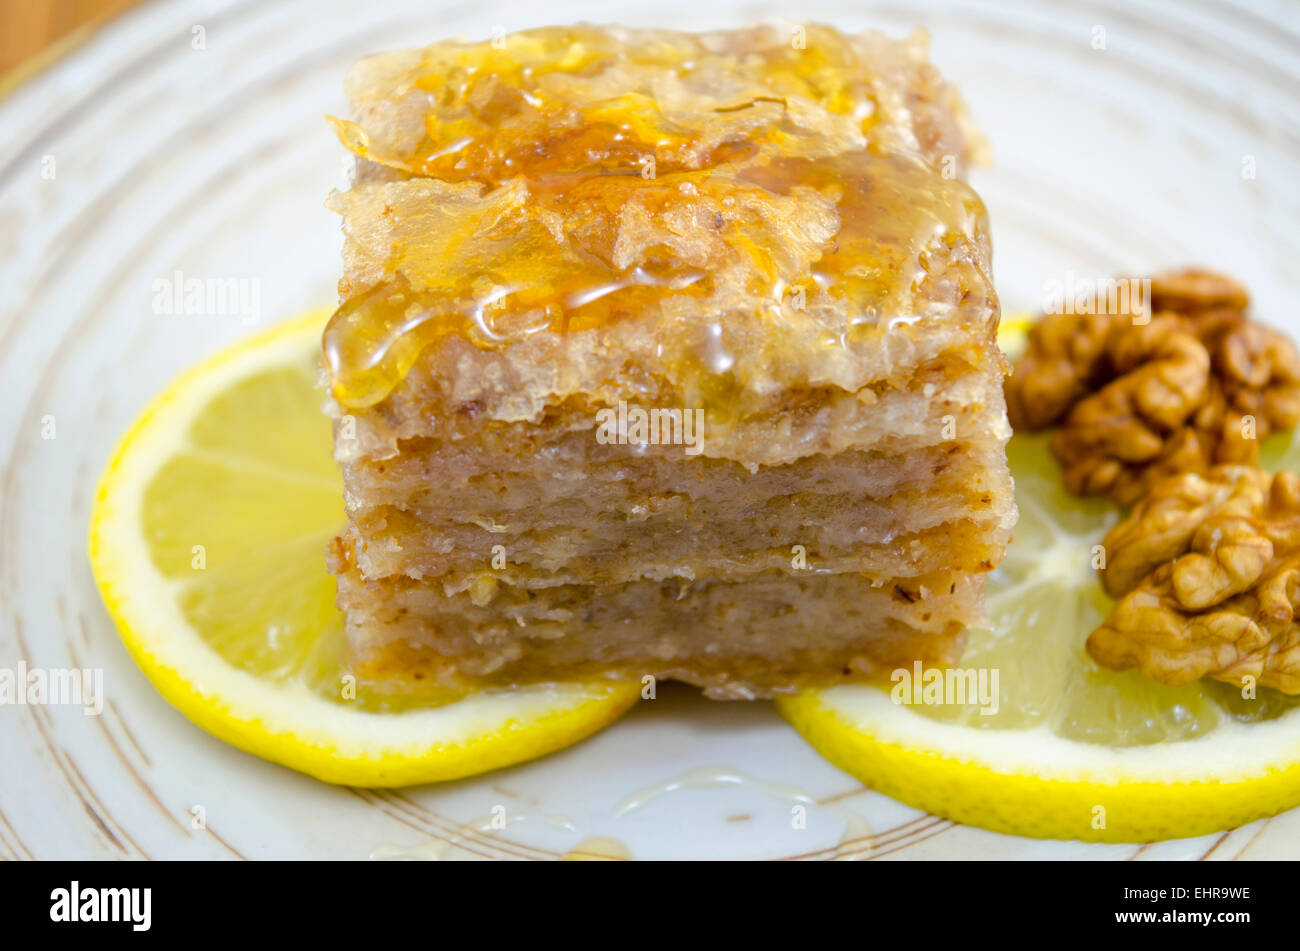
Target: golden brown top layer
[(564, 180)]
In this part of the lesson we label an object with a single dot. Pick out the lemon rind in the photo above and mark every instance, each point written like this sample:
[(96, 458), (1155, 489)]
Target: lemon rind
[(1036, 784)]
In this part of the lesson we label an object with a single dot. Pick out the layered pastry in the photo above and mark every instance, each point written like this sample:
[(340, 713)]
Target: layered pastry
[(663, 355)]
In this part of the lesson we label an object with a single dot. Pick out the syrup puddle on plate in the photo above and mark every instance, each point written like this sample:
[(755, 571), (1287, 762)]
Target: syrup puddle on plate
[(856, 842), (598, 848)]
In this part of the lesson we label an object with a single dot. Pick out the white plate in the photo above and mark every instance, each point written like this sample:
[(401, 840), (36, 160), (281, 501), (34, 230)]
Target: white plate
[(140, 155)]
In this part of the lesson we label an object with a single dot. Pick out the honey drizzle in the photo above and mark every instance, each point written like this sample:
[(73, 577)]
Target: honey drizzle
[(529, 242)]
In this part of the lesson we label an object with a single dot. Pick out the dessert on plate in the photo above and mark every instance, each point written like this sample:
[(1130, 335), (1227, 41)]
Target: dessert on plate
[(663, 354)]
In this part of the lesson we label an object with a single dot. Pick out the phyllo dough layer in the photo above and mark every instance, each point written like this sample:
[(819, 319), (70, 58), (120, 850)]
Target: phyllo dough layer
[(663, 354)]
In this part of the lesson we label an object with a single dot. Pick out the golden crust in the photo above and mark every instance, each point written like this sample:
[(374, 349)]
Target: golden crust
[(763, 207)]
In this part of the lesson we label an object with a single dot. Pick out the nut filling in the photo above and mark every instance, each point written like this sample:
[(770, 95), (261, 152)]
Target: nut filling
[(1207, 570), (1199, 384)]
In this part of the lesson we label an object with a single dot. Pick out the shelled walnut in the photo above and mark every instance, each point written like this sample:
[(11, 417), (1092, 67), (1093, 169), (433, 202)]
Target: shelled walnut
[(1207, 570), (1191, 384)]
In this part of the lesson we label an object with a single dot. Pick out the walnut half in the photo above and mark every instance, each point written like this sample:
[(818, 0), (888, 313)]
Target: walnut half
[(1197, 385), (1207, 571)]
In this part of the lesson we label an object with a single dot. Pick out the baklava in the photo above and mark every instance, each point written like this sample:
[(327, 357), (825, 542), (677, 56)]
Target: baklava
[(663, 355)]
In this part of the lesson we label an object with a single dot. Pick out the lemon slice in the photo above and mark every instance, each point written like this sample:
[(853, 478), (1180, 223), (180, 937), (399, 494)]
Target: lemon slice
[(207, 541), (1067, 749)]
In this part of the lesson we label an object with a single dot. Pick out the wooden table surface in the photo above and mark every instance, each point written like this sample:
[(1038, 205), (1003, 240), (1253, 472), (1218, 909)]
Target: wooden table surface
[(29, 28)]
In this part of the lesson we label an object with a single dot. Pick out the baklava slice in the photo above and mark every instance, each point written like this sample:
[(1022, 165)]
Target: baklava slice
[(663, 354)]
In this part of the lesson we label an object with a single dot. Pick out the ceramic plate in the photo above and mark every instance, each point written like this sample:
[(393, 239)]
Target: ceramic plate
[(187, 137)]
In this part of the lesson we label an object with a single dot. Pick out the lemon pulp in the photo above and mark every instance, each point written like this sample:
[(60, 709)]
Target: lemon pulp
[(207, 541), (1044, 601)]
